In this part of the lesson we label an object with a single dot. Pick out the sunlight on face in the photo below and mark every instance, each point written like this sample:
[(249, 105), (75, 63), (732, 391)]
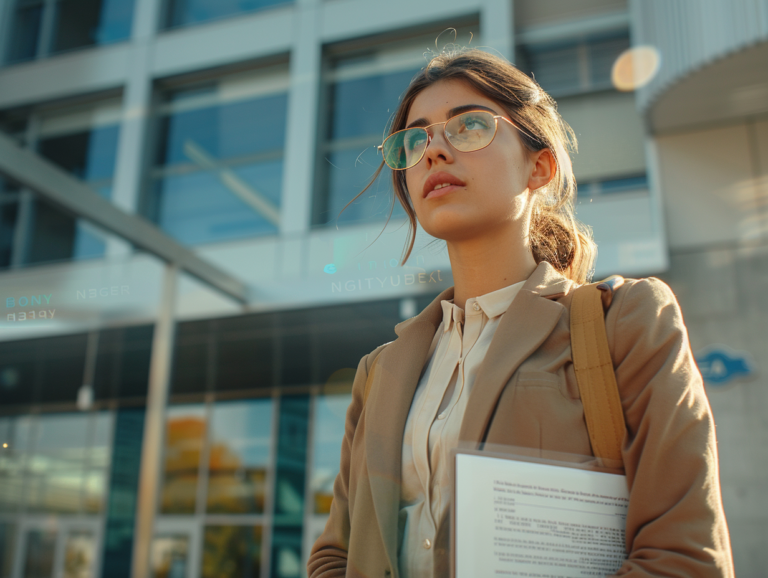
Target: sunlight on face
[(490, 186)]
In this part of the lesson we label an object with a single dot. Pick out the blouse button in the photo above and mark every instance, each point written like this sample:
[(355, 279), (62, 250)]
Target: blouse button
[(476, 307), (441, 416), (427, 543)]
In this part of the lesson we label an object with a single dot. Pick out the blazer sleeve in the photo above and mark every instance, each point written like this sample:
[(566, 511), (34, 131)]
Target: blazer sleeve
[(675, 521), (328, 557)]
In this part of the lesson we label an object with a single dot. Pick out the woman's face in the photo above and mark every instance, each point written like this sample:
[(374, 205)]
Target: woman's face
[(493, 183)]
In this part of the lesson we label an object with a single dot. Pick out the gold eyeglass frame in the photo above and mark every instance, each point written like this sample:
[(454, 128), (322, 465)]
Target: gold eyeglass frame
[(495, 117)]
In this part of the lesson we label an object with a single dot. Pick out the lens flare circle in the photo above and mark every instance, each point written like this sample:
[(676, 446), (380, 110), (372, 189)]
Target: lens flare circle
[(635, 67)]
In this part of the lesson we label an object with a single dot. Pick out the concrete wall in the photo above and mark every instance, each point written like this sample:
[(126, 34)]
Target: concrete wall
[(722, 293)]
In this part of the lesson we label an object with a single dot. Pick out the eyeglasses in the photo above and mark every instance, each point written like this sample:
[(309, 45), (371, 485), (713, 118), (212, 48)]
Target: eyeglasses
[(466, 132)]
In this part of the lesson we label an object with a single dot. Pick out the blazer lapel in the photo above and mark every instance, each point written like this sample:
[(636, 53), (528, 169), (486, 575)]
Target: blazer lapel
[(394, 384), (526, 324), (530, 319)]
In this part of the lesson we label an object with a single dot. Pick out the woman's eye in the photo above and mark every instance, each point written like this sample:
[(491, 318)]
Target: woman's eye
[(473, 123)]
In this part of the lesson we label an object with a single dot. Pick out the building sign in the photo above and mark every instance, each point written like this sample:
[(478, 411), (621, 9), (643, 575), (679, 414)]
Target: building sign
[(720, 365)]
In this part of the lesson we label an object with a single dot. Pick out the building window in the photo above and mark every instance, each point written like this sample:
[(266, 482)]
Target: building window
[(82, 141), (573, 66), (219, 163), (186, 12), (603, 187), (9, 211), (362, 91), (55, 470), (43, 27)]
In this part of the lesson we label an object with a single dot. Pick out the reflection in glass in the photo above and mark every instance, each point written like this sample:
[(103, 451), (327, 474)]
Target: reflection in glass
[(184, 439), (220, 161), (88, 22), (57, 465), (182, 12), (15, 433), (239, 456), (78, 555), (330, 415), (68, 461), (232, 552), (38, 555), (7, 546), (88, 153), (169, 556), (569, 67), (362, 103)]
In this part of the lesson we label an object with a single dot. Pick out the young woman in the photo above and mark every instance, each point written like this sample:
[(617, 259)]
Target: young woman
[(480, 156)]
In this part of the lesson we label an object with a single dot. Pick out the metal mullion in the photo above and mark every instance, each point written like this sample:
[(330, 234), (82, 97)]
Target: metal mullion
[(33, 428), (269, 492), (309, 509), (98, 560), (231, 163), (234, 519), (22, 235), (201, 506)]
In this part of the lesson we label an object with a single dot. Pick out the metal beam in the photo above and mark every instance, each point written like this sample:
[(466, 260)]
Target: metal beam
[(62, 189)]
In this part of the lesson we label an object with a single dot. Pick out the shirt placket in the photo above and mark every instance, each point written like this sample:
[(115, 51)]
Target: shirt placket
[(472, 328), (426, 416)]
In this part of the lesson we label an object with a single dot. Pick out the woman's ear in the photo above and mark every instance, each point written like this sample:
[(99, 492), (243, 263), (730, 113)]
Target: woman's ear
[(544, 169)]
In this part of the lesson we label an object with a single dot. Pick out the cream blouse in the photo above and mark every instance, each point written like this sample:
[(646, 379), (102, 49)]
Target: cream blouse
[(432, 428)]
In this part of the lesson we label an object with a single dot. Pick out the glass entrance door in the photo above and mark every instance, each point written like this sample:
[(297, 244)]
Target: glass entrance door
[(175, 550), (58, 548)]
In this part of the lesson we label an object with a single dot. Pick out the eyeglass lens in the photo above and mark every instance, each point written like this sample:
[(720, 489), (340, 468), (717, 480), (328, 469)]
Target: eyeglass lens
[(466, 132)]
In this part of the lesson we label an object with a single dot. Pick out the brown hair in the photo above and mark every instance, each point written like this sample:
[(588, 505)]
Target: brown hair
[(555, 235)]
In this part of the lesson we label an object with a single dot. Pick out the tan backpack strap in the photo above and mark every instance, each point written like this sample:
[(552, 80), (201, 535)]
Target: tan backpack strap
[(594, 373)]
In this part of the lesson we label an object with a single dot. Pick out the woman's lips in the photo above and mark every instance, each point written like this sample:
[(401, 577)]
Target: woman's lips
[(441, 191)]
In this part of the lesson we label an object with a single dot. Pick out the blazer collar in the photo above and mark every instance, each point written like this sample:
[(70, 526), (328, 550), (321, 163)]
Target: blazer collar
[(545, 281), (527, 323)]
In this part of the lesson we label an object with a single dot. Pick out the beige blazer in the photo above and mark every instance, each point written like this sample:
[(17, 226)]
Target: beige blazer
[(525, 394)]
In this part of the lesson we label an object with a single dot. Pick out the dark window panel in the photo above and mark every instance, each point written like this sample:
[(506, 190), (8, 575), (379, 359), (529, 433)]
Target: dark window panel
[(77, 22), (184, 12), (88, 22), (296, 366), (25, 32), (286, 543), (53, 234), (9, 210), (244, 363), (135, 360), (190, 368), (291, 460), (122, 362), (62, 368), (89, 155)]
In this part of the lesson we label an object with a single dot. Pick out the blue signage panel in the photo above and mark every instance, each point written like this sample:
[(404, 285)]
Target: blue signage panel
[(720, 365)]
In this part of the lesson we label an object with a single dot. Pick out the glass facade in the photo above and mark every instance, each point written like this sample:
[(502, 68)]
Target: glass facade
[(81, 139), (254, 421), (186, 12), (572, 66), (363, 92), (44, 27), (219, 163)]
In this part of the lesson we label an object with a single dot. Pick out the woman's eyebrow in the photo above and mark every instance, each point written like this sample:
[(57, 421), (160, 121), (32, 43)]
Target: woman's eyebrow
[(453, 112)]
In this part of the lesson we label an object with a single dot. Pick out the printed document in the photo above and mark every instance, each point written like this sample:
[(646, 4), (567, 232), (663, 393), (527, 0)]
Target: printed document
[(519, 518)]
